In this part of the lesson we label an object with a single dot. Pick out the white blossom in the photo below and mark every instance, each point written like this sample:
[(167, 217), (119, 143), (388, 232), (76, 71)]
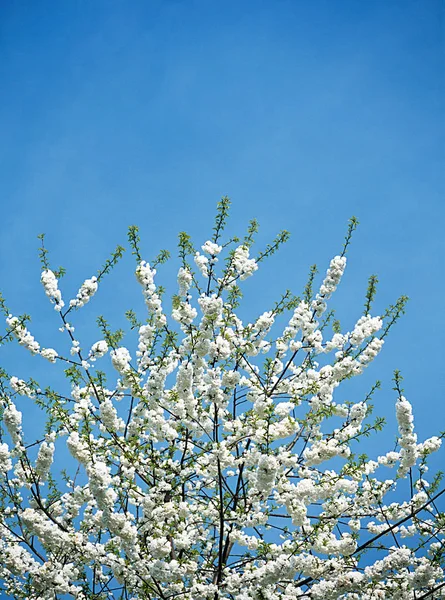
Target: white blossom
[(23, 336), (145, 275), (19, 386), (49, 282), (44, 459), (184, 281), (211, 248), (202, 263), (329, 285), (12, 418), (120, 359), (50, 354), (109, 416), (266, 474), (243, 265), (85, 293), (365, 327), (98, 349), (5, 459), (408, 439)]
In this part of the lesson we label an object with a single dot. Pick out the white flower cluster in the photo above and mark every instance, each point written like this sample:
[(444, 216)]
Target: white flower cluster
[(19, 386), (329, 285), (432, 444), (120, 359), (184, 313), (85, 293), (109, 416), (184, 281), (75, 348), (99, 483), (266, 474), (49, 282), (211, 248), (145, 275), (44, 459), (370, 351), (25, 339), (324, 450), (202, 262), (50, 354), (365, 327), (260, 330), (243, 265), (220, 349), (5, 459), (282, 409), (98, 349), (146, 336), (12, 418), (408, 439), (23, 336), (301, 320), (78, 448)]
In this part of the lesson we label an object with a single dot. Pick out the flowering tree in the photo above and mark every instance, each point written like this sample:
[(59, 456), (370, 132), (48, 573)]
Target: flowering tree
[(200, 471)]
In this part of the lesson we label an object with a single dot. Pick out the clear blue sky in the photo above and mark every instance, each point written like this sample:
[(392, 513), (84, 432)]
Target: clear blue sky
[(303, 112)]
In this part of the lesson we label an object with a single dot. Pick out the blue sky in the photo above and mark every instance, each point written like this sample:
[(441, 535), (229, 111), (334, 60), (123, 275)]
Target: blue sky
[(304, 113)]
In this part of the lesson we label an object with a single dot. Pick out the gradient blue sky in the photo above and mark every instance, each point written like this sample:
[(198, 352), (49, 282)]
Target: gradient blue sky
[(304, 113)]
